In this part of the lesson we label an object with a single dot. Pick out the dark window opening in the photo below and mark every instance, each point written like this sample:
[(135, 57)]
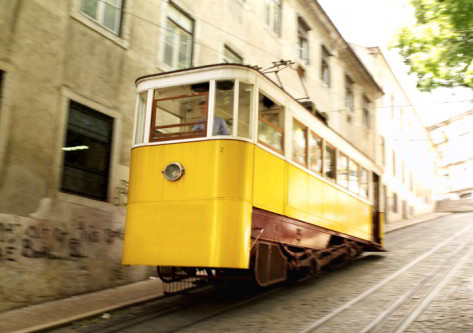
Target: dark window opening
[(87, 152)]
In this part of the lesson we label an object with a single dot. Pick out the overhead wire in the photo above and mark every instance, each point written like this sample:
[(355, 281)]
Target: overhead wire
[(339, 95)]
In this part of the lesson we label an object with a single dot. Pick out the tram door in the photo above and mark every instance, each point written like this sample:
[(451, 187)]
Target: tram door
[(376, 209)]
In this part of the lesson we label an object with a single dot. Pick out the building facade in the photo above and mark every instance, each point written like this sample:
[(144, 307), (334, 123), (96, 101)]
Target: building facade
[(450, 137), (67, 72), (404, 146)]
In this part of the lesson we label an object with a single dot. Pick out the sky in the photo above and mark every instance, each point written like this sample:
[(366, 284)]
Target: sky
[(374, 23)]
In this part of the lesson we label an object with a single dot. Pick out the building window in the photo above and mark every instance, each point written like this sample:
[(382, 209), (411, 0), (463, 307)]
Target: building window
[(229, 56), (270, 124), (299, 143), (383, 151), (394, 203), (342, 170), (87, 152), (273, 15), (107, 13), (392, 106), (403, 176), (349, 103), (394, 163), (315, 149), (325, 67), (303, 39), (178, 40), (366, 112)]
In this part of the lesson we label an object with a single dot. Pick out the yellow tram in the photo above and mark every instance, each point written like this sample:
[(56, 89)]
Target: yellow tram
[(229, 173)]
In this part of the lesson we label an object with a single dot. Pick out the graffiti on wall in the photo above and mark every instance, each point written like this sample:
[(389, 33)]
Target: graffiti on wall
[(89, 231)]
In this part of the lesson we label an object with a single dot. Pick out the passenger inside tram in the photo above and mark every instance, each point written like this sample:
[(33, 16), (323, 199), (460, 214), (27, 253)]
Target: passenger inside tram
[(219, 125)]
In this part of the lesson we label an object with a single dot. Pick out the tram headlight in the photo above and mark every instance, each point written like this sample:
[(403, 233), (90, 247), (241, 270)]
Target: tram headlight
[(173, 172)]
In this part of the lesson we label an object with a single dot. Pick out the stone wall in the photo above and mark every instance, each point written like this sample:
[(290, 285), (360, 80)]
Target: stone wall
[(65, 250)]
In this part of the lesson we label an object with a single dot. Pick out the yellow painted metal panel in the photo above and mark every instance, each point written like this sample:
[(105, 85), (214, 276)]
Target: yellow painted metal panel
[(213, 169), (203, 233), (269, 181), (204, 218), (298, 188)]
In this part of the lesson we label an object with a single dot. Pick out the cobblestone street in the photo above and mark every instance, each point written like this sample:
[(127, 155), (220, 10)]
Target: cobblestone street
[(423, 284)]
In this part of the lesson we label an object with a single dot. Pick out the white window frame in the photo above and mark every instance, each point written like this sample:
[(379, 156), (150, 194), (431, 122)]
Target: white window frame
[(325, 60), (303, 36), (366, 112), (273, 15), (175, 55), (100, 15)]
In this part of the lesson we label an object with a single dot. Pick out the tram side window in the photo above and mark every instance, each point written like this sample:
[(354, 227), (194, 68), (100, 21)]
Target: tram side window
[(315, 149), (353, 176), (223, 117), (244, 110), (329, 165), (363, 182), (270, 124), (342, 170), (299, 143), (140, 117), (179, 112)]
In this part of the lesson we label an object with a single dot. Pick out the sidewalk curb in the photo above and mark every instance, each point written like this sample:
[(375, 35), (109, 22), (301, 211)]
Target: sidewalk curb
[(406, 223), (85, 315)]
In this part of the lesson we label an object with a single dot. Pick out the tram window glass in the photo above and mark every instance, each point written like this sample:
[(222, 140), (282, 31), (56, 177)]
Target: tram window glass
[(223, 117), (140, 117), (178, 38), (270, 123), (330, 161), (315, 150), (87, 152), (244, 110), (363, 182), (342, 170), (106, 12), (299, 143), (179, 112), (353, 176)]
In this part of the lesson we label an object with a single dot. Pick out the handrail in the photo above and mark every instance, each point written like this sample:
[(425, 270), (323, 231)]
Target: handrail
[(205, 93), (180, 124)]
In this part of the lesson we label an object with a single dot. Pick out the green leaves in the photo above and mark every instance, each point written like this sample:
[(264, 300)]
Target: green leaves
[(439, 46)]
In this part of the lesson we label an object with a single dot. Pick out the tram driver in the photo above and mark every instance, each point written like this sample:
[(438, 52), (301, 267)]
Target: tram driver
[(219, 126)]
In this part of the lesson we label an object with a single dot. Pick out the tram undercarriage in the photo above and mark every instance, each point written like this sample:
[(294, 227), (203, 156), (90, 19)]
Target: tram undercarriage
[(282, 249)]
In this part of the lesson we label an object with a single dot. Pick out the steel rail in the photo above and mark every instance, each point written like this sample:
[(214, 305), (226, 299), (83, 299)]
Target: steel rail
[(403, 299), (380, 284), (428, 299)]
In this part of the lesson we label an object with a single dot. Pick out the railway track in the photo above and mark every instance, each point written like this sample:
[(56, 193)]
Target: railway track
[(173, 313), (423, 278)]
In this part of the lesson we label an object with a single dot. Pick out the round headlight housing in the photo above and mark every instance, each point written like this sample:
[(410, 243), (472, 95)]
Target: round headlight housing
[(174, 171)]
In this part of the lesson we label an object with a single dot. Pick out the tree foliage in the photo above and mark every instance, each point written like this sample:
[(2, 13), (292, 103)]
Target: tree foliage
[(439, 46)]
